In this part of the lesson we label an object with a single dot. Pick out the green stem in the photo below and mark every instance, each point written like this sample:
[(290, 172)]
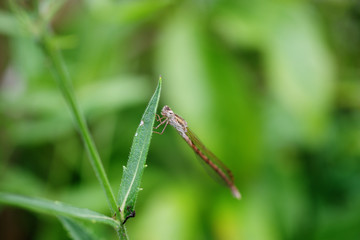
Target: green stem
[(122, 233), (63, 79)]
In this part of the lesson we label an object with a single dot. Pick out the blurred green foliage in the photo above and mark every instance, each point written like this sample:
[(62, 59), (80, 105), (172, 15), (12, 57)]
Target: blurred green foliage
[(271, 87)]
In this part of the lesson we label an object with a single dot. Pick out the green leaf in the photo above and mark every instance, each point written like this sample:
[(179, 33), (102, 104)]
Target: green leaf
[(75, 230), (55, 208), (131, 178)]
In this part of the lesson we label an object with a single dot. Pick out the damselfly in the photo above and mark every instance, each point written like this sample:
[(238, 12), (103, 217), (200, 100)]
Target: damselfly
[(169, 117)]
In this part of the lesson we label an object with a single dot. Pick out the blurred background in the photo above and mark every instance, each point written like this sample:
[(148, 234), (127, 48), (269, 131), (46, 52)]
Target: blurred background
[(271, 87)]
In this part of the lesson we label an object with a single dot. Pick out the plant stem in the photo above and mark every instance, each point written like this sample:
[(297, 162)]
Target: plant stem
[(122, 233), (63, 79)]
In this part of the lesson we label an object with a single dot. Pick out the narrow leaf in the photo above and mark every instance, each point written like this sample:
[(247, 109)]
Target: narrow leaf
[(132, 174), (75, 230), (55, 208)]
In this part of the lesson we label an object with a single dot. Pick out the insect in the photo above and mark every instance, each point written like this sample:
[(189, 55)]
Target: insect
[(169, 117)]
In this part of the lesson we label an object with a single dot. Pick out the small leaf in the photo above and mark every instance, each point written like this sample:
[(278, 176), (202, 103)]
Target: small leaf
[(55, 208), (132, 174), (75, 230)]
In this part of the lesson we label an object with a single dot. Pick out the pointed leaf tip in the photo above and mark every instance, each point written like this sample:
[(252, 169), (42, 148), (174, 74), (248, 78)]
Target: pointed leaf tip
[(131, 178)]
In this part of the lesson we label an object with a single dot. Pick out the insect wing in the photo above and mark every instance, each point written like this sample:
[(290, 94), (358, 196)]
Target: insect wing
[(209, 155)]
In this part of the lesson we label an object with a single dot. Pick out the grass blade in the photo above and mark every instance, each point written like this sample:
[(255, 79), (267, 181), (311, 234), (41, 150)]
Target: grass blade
[(75, 230), (131, 178), (55, 208)]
